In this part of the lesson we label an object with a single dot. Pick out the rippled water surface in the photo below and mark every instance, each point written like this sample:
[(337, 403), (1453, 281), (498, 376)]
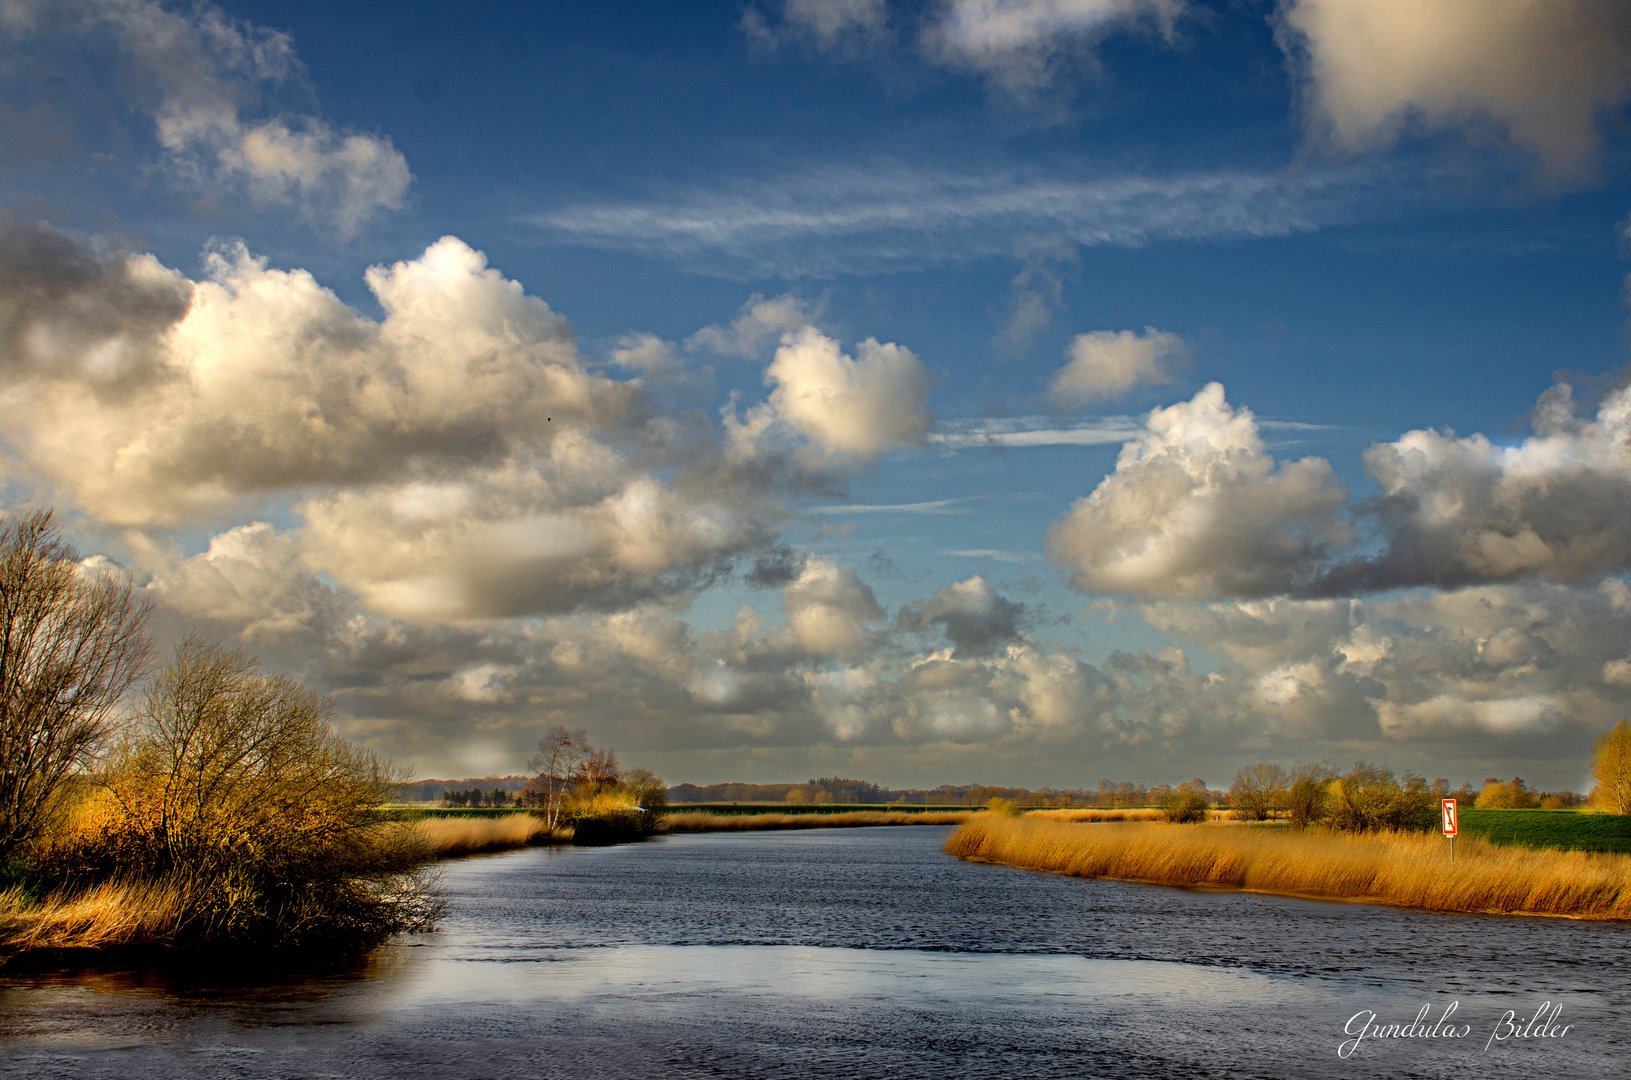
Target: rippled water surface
[(852, 953)]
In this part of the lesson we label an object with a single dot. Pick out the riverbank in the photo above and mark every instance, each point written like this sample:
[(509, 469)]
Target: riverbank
[(127, 915), (136, 914), (452, 837), (1399, 870)]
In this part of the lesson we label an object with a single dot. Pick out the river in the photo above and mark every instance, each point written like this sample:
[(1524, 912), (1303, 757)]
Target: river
[(854, 953)]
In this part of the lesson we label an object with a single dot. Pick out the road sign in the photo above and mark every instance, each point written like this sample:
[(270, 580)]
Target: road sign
[(1448, 805)]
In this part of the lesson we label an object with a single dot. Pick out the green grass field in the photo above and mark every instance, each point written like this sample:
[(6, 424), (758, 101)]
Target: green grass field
[(1570, 830)]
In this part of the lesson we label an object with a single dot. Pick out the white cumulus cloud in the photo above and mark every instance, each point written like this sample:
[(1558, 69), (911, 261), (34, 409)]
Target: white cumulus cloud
[(1197, 507), (1458, 510), (828, 608), (1538, 72), (1105, 364), (758, 325), (205, 80), (844, 408), (975, 617), (452, 459)]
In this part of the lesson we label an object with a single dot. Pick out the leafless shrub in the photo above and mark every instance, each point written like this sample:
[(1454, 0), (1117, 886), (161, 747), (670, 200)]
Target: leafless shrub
[(1259, 790)]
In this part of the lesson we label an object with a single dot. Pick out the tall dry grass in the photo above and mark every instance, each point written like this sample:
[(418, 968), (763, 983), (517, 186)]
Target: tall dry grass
[(693, 822), (135, 914), (1401, 869), (445, 838), (113, 914), (1126, 813)]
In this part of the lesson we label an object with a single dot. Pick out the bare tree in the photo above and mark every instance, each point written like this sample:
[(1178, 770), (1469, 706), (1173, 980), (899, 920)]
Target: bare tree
[(598, 771), (1259, 790), (71, 644), (560, 757)]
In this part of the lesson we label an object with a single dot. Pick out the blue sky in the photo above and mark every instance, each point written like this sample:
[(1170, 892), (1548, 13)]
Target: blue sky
[(853, 307)]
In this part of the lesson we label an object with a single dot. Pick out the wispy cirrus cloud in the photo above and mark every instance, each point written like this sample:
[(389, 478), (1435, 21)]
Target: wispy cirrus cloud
[(1023, 431), (936, 506), (988, 553), (848, 219)]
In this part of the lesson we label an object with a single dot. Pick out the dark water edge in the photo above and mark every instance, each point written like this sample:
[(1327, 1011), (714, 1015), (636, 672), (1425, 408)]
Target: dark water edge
[(843, 953)]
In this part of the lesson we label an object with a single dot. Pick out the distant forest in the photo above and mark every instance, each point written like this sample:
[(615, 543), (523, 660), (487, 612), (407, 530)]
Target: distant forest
[(834, 789), (435, 791), (826, 789)]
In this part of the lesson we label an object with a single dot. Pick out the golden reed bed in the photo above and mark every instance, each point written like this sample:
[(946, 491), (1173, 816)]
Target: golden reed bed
[(108, 915), (700, 822), (1127, 813), (446, 838), (1403, 870)]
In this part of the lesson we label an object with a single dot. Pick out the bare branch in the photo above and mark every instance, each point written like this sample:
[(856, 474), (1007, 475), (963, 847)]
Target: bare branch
[(71, 645)]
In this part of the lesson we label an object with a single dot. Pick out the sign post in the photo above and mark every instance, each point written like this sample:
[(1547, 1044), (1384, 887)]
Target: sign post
[(1450, 829)]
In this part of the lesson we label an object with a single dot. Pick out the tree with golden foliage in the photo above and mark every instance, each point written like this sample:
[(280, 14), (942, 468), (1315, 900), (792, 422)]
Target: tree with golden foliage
[(1306, 798), (1611, 768), (71, 645), (1370, 796), (1514, 795)]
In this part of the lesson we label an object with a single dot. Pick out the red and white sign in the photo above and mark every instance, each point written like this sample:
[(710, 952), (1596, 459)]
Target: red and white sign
[(1449, 817)]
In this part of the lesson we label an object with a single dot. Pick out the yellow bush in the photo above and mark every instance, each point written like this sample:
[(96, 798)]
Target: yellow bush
[(1506, 796), (233, 789)]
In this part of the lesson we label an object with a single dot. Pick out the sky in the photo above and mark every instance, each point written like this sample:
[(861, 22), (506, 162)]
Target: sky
[(1005, 391)]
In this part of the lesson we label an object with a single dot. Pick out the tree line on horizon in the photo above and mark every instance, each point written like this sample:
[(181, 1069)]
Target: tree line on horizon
[(1259, 790), (832, 789), (1109, 794)]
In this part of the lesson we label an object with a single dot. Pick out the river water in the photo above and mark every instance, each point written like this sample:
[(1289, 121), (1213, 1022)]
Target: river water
[(855, 953)]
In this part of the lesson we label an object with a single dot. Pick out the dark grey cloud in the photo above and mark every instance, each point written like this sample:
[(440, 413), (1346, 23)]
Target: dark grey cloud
[(975, 618), (776, 567), (1458, 511), (73, 312)]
